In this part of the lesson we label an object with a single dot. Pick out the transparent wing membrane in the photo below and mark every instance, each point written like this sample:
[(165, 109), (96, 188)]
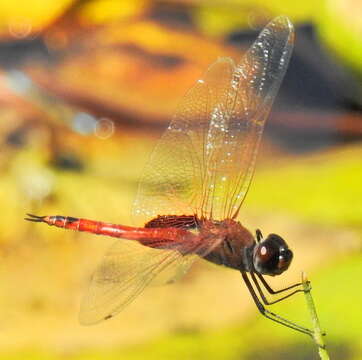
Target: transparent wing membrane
[(204, 162), (128, 268)]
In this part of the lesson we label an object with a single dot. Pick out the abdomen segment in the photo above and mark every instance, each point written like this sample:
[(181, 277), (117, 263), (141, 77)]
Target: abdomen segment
[(152, 237)]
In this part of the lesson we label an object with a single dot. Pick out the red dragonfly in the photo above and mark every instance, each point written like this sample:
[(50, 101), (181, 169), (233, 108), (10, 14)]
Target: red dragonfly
[(193, 187)]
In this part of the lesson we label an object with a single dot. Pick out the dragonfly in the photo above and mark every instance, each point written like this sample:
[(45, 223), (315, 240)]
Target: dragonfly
[(193, 187)]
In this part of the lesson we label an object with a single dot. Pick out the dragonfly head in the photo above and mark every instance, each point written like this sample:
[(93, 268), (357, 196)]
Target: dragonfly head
[(272, 256)]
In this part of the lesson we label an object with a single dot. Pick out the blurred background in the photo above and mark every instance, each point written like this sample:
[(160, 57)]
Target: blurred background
[(87, 87)]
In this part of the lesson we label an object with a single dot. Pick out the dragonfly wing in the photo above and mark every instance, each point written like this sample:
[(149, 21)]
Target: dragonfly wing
[(204, 162), (256, 81), (172, 180), (125, 271)]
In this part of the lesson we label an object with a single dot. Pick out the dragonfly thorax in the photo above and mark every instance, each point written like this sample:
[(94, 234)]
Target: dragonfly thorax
[(234, 242)]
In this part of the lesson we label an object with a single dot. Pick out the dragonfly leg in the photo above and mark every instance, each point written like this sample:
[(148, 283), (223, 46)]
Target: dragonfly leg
[(258, 235), (271, 291), (263, 297), (270, 315)]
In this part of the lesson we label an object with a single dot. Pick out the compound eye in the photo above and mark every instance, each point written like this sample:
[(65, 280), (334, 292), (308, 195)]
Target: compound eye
[(272, 256), (285, 258), (266, 252), (266, 257)]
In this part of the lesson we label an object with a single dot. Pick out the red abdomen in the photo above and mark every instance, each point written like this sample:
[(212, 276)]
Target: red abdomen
[(152, 237)]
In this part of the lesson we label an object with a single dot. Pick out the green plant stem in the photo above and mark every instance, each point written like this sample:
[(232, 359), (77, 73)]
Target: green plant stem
[(317, 333)]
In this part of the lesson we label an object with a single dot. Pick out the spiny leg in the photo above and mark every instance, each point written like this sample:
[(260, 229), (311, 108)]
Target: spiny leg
[(263, 297), (271, 291), (270, 315), (258, 235)]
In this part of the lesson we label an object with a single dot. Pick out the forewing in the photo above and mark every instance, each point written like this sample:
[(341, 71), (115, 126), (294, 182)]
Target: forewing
[(256, 81), (172, 181), (204, 162), (125, 271)]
